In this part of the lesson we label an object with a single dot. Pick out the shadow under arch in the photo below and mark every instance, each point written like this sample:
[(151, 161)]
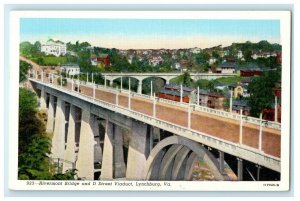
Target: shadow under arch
[(194, 147)]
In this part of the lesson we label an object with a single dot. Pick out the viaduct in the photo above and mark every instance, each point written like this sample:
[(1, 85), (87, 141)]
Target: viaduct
[(109, 133)]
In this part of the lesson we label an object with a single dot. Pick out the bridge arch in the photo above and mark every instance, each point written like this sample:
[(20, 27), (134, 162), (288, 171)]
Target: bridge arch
[(182, 151)]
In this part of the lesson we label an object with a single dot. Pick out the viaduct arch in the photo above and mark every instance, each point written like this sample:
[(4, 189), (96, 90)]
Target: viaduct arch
[(177, 162)]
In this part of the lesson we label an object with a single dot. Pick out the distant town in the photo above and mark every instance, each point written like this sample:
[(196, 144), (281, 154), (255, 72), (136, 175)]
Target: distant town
[(248, 61)]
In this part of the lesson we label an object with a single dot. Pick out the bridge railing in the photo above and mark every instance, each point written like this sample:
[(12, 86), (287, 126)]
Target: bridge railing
[(248, 119)]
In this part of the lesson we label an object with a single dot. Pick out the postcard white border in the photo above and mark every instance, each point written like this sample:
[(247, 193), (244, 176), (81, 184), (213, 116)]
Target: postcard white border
[(285, 34)]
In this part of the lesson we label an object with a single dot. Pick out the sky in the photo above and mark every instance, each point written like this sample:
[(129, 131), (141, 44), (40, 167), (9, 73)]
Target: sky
[(149, 33)]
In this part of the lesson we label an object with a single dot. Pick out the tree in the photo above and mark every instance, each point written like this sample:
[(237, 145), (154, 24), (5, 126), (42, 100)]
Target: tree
[(202, 58), (37, 47), (247, 54), (24, 67), (29, 124), (261, 92), (186, 79), (26, 48), (34, 163), (34, 144)]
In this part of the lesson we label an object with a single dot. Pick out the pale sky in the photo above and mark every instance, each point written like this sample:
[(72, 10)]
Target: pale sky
[(149, 33)]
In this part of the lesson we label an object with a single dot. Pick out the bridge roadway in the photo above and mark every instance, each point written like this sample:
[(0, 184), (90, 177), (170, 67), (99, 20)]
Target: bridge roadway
[(238, 137), (166, 76)]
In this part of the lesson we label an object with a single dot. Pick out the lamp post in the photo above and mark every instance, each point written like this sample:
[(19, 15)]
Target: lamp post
[(151, 89), (241, 126), (180, 93), (276, 110), (230, 101), (198, 96), (129, 101)]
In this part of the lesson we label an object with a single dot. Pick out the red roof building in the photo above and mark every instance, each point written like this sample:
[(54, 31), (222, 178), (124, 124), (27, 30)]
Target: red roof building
[(101, 59)]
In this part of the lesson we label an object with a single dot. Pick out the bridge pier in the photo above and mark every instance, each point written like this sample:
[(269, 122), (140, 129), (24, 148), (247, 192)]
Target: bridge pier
[(43, 103), (107, 160), (140, 87), (221, 162), (136, 152), (98, 153), (70, 156), (167, 81), (119, 164), (240, 169), (85, 162), (58, 140), (50, 118), (258, 172)]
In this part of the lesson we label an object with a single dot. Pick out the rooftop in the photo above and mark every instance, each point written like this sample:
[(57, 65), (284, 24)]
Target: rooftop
[(227, 64), (53, 42), (176, 87)]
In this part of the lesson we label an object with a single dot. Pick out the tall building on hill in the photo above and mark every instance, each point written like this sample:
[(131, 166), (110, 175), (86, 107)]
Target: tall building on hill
[(55, 47)]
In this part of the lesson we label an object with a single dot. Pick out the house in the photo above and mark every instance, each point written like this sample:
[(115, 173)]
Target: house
[(220, 86), (278, 58), (129, 59), (212, 60), (249, 72), (101, 59), (237, 105), (211, 99), (240, 54), (269, 114), (54, 47), (263, 55), (173, 95), (177, 66), (246, 81), (225, 68), (195, 50), (239, 90), (155, 60), (173, 92), (70, 69)]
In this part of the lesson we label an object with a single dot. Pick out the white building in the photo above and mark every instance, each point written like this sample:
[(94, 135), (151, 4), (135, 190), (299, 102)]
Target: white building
[(177, 66), (212, 61), (154, 61), (57, 48), (240, 54), (226, 68), (195, 50), (70, 69), (263, 55)]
